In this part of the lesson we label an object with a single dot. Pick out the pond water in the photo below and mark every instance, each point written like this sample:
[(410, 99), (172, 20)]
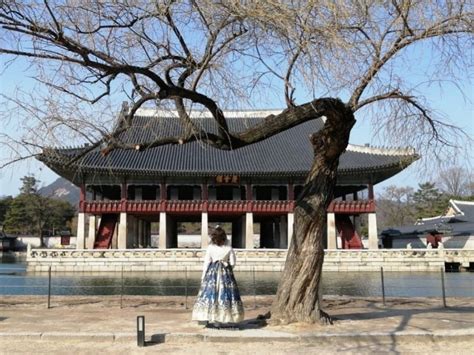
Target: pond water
[(14, 280)]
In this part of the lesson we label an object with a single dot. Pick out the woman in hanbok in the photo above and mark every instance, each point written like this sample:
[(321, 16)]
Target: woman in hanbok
[(218, 302)]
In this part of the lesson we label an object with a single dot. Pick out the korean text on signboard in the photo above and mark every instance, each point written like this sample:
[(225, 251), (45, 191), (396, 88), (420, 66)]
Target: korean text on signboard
[(227, 179)]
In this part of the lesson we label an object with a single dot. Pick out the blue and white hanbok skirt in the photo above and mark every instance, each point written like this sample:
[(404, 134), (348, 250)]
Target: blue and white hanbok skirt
[(219, 298)]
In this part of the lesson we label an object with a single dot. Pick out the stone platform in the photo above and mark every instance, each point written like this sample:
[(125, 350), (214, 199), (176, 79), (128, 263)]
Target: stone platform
[(116, 260)]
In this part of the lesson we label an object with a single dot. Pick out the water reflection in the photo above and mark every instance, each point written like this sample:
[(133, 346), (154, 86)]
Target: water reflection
[(14, 280), (174, 283)]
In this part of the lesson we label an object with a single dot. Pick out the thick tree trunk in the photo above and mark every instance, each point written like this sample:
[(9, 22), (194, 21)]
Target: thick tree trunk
[(297, 298)]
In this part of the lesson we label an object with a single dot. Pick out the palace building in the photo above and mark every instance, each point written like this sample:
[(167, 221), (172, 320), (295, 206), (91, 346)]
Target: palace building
[(252, 188)]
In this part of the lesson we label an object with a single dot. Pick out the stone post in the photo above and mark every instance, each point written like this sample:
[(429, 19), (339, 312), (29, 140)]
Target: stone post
[(122, 231), (81, 230), (249, 230), (163, 234), (204, 230), (331, 231), (290, 223), (92, 231), (373, 237), (140, 233)]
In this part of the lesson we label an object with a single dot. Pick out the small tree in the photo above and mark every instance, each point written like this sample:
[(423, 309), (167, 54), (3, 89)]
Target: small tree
[(395, 206), (27, 212), (31, 213), (4, 207), (59, 216), (454, 181), (17, 219), (429, 201), (30, 185)]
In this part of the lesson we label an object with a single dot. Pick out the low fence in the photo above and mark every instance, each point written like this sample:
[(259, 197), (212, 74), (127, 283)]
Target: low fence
[(388, 284)]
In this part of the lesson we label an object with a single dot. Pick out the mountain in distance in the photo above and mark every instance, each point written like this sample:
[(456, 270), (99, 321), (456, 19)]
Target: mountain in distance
[(61, 189)]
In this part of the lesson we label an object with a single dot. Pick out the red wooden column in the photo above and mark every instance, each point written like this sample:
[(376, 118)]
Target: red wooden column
[(355, 218), (291, 191), (204, 216), (205, 196), (248, 195), (81, 219), (372, 221), (164, 242), (290, 218), (249, 217), (82, 197), (163, 196), (123, 196), (370, 188)]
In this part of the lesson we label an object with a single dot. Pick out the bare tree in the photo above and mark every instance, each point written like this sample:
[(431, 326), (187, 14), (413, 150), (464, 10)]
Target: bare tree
[(343, 56), (454, 181), (395, 207)]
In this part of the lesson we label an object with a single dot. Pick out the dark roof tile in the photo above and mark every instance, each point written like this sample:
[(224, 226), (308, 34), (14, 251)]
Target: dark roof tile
[(287, 153)]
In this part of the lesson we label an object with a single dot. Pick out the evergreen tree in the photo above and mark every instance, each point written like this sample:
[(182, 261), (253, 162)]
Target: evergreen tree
[(429, 201), (30, 185), (26, 214), (31, 213), (17, 218), (4, 206), (59, 216)]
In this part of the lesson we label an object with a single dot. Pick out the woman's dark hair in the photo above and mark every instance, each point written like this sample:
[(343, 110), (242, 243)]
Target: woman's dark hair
[(218, 236)]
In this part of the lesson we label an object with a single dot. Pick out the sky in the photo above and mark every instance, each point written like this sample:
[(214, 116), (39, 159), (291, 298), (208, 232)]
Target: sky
[(458, 110)]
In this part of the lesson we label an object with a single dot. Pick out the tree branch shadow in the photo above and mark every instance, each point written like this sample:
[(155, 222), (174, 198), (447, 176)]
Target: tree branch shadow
[(248, 324), (406, 315)]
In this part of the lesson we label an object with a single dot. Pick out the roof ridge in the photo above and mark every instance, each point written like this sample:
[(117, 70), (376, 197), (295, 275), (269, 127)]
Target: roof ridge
[(206, 114), (462, 202), (380, 150), (454, 204), (421, 220)]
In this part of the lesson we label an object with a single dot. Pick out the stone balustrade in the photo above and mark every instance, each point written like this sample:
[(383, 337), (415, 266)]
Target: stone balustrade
[(112, 260)]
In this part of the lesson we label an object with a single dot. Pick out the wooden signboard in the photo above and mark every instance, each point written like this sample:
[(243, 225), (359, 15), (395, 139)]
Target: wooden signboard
[(227, 179)]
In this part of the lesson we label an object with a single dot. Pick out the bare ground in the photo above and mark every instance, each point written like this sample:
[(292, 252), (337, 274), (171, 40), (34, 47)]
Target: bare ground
[(71, 316)]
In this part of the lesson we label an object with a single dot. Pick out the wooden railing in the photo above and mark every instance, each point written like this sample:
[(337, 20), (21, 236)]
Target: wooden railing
[(186, 206)]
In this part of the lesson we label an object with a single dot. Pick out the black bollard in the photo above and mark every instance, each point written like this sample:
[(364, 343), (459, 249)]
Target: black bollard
[(186, 289), (141, 331), (49, 287), (121, 290), (383, 285), (254, 289), (443, 288)]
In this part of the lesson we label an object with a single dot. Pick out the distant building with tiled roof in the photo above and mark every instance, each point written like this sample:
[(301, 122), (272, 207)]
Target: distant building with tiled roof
[(456, 228), (128, 189)]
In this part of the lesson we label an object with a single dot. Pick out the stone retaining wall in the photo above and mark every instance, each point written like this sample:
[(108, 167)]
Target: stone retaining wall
[(115, 260)]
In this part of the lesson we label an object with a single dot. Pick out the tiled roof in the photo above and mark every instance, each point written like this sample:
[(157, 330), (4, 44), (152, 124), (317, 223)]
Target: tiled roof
[(465, 209), (460, 229), (288, 153), (461, 224)]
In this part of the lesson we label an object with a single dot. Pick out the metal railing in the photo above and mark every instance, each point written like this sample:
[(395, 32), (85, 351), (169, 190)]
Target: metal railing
[(190, 290)]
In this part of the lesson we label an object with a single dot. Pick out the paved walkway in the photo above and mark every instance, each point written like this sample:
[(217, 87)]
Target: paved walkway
[(91, 323)]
